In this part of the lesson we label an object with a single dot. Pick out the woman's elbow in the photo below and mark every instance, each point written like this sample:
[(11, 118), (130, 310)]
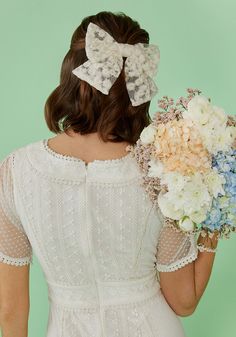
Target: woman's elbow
[(183, 303), (184, 311)]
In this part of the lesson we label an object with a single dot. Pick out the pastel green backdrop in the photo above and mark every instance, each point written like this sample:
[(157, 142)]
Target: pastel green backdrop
[(197, 46)]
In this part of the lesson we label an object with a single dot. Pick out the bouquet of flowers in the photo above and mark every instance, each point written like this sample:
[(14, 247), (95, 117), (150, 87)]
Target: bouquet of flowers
[(188, 158)]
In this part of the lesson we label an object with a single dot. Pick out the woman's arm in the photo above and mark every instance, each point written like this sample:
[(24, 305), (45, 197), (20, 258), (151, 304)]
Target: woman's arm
[(14, 300), (15, 256), (184, 287)]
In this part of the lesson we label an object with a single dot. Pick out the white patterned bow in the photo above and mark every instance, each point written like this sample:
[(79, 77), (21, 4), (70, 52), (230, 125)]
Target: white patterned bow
[(105, 61)]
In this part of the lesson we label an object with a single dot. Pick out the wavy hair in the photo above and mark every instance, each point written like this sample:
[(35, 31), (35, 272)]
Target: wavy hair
[(77, 105)]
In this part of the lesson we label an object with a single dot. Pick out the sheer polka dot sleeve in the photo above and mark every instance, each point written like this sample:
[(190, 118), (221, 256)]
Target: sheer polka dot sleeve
[(175, 248), (15, 248)]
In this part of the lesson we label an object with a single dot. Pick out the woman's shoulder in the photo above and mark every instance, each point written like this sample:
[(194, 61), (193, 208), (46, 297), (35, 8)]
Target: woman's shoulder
[(19, 153)]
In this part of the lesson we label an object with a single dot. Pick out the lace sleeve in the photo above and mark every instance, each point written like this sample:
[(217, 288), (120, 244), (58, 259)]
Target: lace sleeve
[(15, 248), (175, 248)]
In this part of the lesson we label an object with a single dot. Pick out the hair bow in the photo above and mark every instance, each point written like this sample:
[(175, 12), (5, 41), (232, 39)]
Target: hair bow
[(105, 62)]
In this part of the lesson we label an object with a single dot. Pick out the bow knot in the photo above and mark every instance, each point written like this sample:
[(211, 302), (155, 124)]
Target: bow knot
[(126, 49), (105, 62)]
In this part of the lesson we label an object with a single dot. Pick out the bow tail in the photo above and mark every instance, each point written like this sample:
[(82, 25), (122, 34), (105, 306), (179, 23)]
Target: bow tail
[(140, 86), (142, 92), (100, 75)]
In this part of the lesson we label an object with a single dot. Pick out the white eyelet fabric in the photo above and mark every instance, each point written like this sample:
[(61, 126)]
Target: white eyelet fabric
[(95, 233)]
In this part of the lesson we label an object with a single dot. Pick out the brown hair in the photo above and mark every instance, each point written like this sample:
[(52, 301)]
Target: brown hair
[(76, 104)]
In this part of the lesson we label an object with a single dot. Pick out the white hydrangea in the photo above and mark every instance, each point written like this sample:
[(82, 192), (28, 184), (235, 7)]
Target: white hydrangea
[(156, 168), (174, 180), (168, 208), (220, 115), (196, 194), (186, 196), (210, 121)]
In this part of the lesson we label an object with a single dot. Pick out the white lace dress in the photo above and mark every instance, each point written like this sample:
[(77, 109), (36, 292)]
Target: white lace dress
[(96, 235)]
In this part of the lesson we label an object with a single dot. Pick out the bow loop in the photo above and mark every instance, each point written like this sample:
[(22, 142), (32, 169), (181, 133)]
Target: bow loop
[(152, 59), (98, 43), (105, 62)]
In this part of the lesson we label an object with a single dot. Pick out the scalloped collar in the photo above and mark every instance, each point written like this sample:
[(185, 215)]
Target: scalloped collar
[(66, 169)]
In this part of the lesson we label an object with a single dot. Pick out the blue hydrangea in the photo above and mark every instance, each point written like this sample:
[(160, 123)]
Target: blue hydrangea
[(223, 208)]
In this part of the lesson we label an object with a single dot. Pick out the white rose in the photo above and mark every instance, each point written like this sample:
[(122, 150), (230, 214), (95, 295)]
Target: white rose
[(224, 139), (147, 135), (199, 109), (219, 140), (214, 182), (186, 224)]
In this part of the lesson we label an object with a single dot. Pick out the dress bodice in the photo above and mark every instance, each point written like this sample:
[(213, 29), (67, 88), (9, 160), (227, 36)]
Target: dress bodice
[(86, 217), (93, 229)]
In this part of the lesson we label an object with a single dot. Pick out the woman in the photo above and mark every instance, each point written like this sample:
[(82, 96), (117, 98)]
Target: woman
[(77, 202)]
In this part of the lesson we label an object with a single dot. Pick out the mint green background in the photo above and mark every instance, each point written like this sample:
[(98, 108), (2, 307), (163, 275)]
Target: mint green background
[(197, 45)]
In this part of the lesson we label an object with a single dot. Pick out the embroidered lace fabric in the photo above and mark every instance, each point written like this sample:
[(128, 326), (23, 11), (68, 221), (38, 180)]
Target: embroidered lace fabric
[(98, 238), (105, 62)]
